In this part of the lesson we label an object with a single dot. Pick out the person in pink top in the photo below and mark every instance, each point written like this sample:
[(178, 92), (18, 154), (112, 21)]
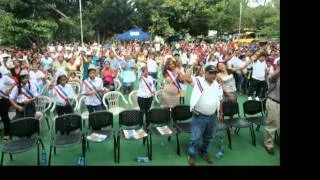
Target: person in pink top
[(108, 75)]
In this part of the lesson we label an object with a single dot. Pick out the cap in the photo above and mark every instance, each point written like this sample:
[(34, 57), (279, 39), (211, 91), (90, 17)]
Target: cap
[(24, 72), (211, 68), (61, 73), (5, 56), (91, 66)]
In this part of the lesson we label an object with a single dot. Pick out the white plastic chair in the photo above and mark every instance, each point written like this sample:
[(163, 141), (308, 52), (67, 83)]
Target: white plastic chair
[(157, 97), (133, 100), (79, 75), (43, 105), (117, 84), (113, 100), (82, 109), (76, 87)]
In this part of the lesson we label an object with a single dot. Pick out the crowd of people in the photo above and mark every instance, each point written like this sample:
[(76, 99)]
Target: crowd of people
[(239, 69)]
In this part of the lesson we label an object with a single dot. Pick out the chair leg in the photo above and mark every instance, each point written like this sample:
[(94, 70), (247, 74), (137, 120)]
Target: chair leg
[(11, 158), (114, 149), (150, 148), (118, 144), (50, 151), (258, 128), (178, 144), (147, 139), (144, 141), (84, 149), (38, 154), (55, 151), (229, 137), (47, 120), (88, 145), (253, 135), (2, 156), (237, 131)]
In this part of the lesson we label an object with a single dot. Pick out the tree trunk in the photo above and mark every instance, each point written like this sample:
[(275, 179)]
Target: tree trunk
[(98, 35), (103, 37)]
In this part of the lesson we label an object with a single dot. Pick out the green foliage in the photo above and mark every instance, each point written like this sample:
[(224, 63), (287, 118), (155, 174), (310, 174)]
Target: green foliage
[(25, 21)]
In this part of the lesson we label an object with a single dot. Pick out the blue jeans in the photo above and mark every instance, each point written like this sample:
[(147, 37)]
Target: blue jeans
[(94, 108), (205, 127)]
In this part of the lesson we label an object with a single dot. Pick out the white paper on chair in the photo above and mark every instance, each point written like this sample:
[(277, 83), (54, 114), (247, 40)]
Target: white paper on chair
[(96, 137), (134, 134), (164, 130)]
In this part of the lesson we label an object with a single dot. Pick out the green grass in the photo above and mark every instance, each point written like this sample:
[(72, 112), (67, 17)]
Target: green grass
[(164, 152)]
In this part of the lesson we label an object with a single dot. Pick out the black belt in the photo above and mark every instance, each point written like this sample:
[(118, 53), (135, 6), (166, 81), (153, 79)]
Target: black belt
[(196, 113), (274, 100)]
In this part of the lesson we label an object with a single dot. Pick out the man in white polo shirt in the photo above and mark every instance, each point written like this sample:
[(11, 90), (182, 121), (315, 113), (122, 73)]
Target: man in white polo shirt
[(205, 102)]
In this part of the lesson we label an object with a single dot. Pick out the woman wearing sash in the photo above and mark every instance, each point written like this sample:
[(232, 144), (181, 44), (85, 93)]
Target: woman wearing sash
[(171, 89), (93, 88), (146, 90), (63, 95), (6, 84), (23, 95)]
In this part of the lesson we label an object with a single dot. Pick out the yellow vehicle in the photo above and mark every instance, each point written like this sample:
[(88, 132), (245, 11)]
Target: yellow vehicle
[(246, 38)]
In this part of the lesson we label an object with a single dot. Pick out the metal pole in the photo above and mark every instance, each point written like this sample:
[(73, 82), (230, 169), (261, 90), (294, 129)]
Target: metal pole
[(240, 16), (80, 7)]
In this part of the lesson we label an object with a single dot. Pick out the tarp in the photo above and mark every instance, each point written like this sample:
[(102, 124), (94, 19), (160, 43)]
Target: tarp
[(134, 34)]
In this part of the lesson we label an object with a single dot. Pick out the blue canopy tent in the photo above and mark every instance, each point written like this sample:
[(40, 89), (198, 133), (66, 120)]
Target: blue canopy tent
[(134, 34)]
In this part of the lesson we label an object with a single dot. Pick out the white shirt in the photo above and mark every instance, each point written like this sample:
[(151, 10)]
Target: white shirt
[(36, 77), (69, 92), (143, 90), (193, 58), (152, 65), (5, 81), (20, 98), (258, 70), (92, 100), (184, 58), (207, 102)]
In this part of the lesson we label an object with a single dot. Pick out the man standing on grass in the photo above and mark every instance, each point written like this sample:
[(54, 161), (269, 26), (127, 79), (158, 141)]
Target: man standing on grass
[(205, 103)]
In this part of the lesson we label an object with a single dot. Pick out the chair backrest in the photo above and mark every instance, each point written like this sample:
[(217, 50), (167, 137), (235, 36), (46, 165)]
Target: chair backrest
[(181, 113), (230, 108), (68, 123), (117, 84), (113, 99), (263, 106), (131, 118), (81, 107), (252, 107), (133, 98), (158, 96), (44, 91), (24, 127), (158, 116), (76, 87), (79, 75), (100, 119), (43, 103)]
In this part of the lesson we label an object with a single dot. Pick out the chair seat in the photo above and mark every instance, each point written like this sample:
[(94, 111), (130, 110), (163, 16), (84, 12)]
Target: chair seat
[(123, 136), (222, 126), (20, 145), (257, 120), (239, 123), (67, 140), (155, 131), (183, 127), (107, 132)]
